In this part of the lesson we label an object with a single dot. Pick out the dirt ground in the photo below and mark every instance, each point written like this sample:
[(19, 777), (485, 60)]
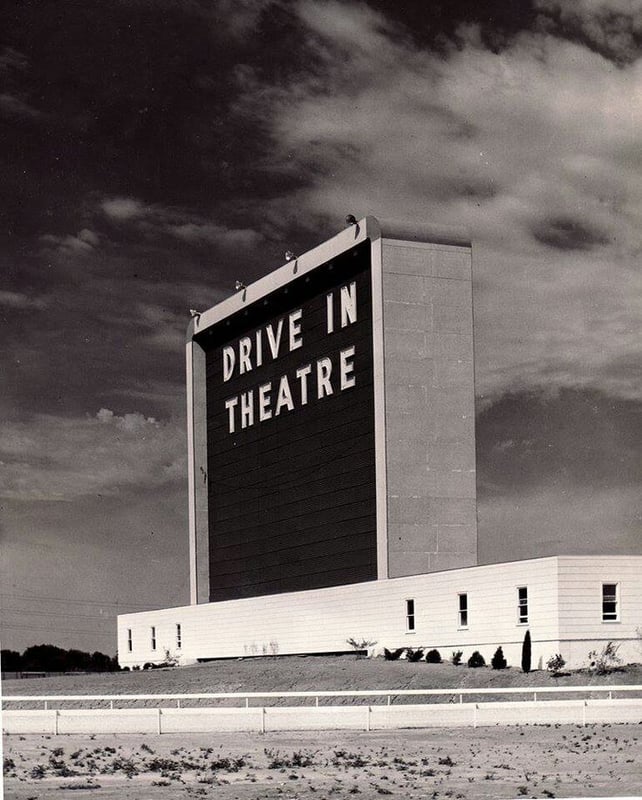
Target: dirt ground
[(502, 762), (294, 673)]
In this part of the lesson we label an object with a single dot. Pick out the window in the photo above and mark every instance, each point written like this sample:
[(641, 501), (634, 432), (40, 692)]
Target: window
[(522, 605), (610, 602), (153, 638), (179, 641), (463, 610), (130, 641), (410, 616)]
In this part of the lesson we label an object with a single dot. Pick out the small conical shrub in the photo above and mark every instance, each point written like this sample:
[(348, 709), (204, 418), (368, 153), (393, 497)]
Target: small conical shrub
[(526, 652), (498, 661)]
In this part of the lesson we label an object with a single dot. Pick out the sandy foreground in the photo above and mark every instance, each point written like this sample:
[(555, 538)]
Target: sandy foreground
[(502, 762)]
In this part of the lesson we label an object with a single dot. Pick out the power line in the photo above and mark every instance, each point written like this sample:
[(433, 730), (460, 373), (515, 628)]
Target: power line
[(76, 602), (54, 628), (27, 612)]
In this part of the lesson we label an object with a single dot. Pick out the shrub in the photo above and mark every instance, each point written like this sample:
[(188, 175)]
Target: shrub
[(433, 657), (476, 660), (606, 660), (555, 664), (526, 652), (456, 657), (414, 655), (392, 655), (498, 661)]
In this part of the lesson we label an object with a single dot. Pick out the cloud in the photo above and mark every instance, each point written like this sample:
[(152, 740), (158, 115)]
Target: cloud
[(124, 208), (550, 521), (51, 458), (566, 233), (566, 438), (611, 26), (13, 106), (209, 233), (85, 242), (559, 471), (12, 60), (179, 223), (533, 148), (22, 301)]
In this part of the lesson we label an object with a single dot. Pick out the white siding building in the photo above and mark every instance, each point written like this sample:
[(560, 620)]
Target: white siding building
[(562, 600)]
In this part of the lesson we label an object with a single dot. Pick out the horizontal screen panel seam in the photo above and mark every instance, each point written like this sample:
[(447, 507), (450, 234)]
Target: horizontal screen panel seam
[(317, 498), (345, 520), (297, 568), (309, 474), (277, 585), (326, 580), (322, 451), (220, 555)]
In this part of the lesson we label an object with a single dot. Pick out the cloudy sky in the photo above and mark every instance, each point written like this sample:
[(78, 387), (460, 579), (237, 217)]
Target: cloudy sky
[(154, 152)]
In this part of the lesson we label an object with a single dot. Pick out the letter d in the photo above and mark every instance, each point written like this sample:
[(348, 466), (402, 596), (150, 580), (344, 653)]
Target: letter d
[(229, 358)]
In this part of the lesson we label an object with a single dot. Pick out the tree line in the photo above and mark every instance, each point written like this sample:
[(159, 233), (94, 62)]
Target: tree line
[(49, 658)]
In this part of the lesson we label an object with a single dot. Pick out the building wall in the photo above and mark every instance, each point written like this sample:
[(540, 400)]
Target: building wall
[(580, 590), (321, 620), (429, 402)]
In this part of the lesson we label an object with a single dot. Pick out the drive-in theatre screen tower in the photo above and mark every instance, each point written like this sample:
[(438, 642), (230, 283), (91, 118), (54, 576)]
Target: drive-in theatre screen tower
[(332, 488)]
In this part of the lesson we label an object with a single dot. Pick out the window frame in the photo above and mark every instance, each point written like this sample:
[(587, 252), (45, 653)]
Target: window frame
[(609, 617), (411, 615), (130, 640), (179, 636), (522, 605), (153, 637), (462, 611)]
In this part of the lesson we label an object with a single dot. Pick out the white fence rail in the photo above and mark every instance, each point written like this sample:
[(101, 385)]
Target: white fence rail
[(244, 698), (161, 719)]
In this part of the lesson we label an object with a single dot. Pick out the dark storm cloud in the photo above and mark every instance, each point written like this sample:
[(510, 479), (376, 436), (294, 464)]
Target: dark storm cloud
[(570, 438), (567, 233)]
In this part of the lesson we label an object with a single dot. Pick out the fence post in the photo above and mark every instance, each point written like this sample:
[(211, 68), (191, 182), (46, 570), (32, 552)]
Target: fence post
[(584, 713), (247, 702), (178, 702), (534, 697), (111, 705), (263, 712), (368, 709), (389, 700), (46, 706), (475, 715), (159, 722), (56, 722)]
